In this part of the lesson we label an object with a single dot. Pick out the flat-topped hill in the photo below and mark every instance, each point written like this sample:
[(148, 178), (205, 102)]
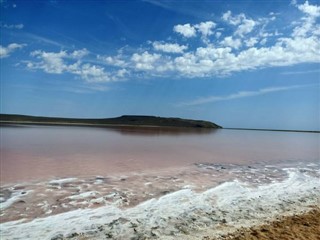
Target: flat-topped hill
[(128, 120)]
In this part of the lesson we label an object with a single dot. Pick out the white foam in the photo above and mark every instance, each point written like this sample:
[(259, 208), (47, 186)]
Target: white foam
[(84, 195), (235, 202), (62, 181), (16, 195)]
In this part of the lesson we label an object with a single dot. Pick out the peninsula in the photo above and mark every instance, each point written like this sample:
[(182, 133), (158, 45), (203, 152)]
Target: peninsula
[(126, 120)]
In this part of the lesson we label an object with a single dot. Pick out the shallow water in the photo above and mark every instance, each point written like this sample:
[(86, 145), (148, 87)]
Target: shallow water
[(44, 152)]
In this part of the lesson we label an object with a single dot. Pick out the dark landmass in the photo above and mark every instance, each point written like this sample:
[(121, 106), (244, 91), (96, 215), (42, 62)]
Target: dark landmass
[(126, 120)]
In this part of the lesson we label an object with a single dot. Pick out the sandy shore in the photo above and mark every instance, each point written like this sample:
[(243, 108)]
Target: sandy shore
[(304, 226)]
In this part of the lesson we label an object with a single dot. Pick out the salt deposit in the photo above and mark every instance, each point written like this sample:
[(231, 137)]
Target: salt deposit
[(181, 214)]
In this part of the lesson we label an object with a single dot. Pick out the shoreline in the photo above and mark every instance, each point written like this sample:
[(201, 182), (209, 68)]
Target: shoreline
[(181, 214), (273, 130), (132, 120), (6, 123)]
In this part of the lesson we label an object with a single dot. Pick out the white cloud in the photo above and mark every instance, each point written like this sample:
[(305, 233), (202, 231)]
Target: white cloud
[(242, 94), (64, 62), (12, 26), (50, 62), (205, 28), (113, 61), (169, 47), (293, 2), (230, 42), (218, 34), (145, 61), (308, 23), (245, 27), (185, 30), (78, 54), (251, 41), (263, 41), (6, 51), (122, 73), (233, 20), (91, 73), (188, 30), (311, 10)]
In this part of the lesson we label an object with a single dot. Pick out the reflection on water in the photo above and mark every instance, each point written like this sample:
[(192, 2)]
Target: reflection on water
[(130, 130), (42, 152), (157, 131)]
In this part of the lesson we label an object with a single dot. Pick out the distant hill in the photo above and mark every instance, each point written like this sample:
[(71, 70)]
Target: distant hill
[(126, 120)]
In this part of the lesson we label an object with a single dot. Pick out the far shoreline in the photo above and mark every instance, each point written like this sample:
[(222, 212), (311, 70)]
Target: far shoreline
[(273, 130), (4, 123), (122, 121), (67, 124)]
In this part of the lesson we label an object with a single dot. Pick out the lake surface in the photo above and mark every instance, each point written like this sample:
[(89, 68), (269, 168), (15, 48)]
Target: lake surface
[(63, 181), (42, 152)]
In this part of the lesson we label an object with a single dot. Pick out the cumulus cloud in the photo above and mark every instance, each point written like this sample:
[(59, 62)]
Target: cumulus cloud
[(69, 62), (251, 41), (91, 73), (169, 47), (186, 30), (263, 41), (78, 54), (50, 62), (145, 61), (6, 51), (233, 20), (204, 28), (311, 10), (230, 42), (244, 25), (115, 61), (308, 23), (242, 94)]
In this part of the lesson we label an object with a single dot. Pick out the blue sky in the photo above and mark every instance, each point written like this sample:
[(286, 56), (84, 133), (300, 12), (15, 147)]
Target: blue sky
[(237, 63)]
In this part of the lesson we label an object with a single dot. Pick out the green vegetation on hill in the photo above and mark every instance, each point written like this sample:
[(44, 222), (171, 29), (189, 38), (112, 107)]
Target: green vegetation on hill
[(130, 120)]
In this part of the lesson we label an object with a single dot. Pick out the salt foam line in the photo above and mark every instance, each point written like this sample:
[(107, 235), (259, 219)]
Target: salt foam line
[(230, 201), (16, 196)]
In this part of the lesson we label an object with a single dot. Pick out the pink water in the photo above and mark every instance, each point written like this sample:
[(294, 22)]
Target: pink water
[(44, 152)]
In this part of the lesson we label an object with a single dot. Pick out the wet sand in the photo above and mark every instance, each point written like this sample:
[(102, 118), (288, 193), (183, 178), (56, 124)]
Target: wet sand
[(304, 226)]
